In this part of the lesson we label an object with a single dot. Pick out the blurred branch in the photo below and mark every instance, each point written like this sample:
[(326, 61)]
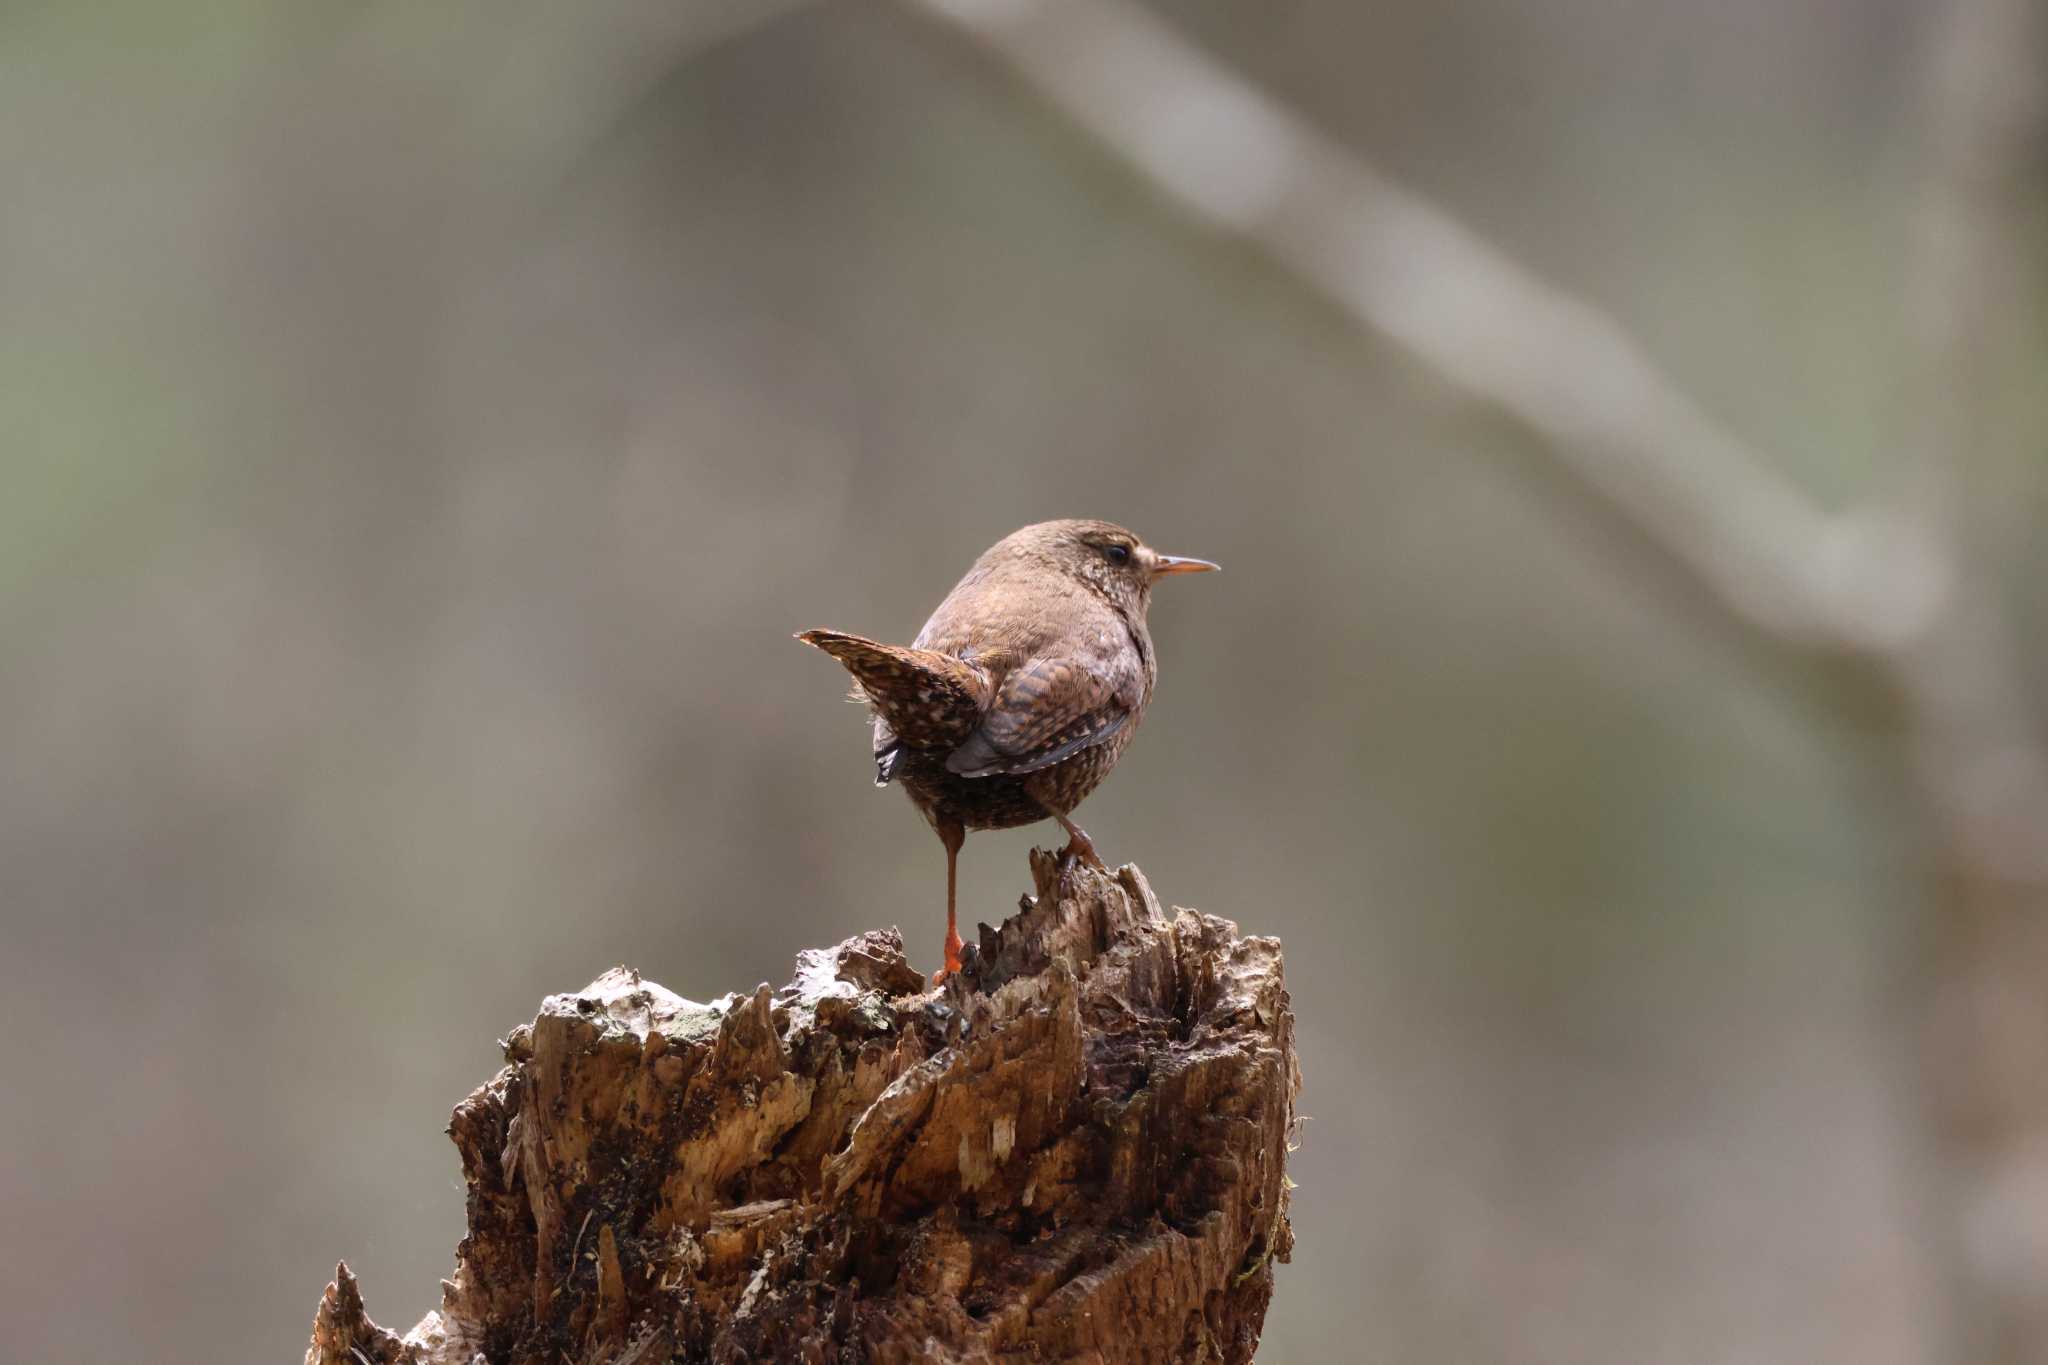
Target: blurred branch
[(1983, 975), (1982, 130), (1976, 744), (1880, 588), (1398, 264), (1899, 590)]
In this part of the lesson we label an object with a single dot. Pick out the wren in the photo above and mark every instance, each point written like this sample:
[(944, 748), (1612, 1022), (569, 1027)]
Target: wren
[(1022, 690)]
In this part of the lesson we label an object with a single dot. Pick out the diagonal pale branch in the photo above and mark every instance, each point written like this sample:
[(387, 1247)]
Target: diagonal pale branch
[(1223, 150), (1897, 589), (1879, 587)]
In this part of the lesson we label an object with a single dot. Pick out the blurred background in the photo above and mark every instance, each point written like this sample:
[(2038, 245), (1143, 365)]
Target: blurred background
[(422, 426)]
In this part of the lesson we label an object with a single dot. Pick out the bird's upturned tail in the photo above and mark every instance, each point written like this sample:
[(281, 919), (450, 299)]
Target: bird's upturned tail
[(926, 699)]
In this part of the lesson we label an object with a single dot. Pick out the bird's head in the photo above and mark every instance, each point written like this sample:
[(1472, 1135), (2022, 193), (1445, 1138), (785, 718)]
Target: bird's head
[(1106, 557)]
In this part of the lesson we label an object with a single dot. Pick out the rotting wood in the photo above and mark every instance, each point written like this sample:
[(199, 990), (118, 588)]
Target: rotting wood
[(1073, 1151)]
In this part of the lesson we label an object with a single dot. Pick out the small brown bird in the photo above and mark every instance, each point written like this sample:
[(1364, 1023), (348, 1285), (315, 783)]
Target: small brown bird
[(1021, 691)]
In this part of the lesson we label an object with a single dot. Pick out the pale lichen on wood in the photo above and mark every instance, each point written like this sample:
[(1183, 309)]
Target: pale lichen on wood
[(1073, 1151)]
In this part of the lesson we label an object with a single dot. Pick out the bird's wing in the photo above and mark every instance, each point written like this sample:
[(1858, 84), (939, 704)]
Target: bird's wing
[(1045, 711)]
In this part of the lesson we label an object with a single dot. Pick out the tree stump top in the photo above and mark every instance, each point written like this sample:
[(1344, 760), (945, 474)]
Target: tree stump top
[(1074, 1150)]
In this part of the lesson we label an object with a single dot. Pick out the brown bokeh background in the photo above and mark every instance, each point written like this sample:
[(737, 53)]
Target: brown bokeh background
[(424, 425)]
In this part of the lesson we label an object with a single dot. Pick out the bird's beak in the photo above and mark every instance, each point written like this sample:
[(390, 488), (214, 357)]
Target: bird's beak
[(1163, 565)]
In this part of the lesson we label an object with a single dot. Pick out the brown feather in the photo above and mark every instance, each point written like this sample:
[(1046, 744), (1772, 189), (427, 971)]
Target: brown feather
[(1026, 684), (1021, 691), (927, 699)]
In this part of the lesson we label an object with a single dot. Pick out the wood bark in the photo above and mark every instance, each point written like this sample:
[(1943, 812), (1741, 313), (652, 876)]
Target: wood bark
[(1075, 1150)]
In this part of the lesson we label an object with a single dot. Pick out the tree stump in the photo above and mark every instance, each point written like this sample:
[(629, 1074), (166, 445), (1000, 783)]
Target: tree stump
[(1074, 1150)]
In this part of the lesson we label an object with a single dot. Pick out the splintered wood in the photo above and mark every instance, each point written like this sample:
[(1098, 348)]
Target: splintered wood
[(1073, 1151)]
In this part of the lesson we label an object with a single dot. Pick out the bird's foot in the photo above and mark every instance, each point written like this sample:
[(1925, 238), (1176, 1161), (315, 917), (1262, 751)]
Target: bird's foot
[(953, 946), (1080, 848)]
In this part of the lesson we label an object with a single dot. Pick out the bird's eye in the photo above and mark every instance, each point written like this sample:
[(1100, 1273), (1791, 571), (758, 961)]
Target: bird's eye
[(1118, 554)]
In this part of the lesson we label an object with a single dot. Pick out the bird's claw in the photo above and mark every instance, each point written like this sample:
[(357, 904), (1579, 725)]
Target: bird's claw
[(1081, 849), (953, 947)]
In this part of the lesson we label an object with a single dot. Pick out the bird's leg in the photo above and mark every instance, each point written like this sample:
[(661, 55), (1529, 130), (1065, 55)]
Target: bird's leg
[(1079, 845), (952, 834)]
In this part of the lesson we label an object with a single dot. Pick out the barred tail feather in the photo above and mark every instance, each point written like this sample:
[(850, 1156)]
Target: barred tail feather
[(927, 699)]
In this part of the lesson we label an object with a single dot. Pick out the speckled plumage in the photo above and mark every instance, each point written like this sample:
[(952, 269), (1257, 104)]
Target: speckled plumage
[(1024, 687)]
